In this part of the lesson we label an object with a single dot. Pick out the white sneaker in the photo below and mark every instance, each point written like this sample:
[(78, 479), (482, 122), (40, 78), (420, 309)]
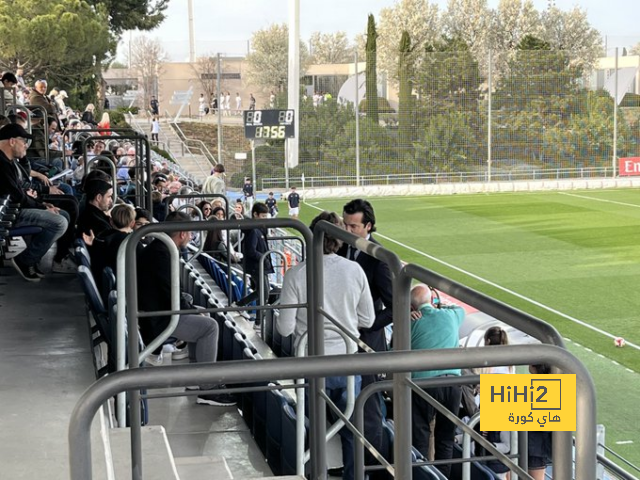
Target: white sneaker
[(66, 266), (154, 360)]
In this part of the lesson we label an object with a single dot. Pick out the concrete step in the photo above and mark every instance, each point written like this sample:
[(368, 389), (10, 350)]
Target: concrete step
[(157, 458), (203, 468)]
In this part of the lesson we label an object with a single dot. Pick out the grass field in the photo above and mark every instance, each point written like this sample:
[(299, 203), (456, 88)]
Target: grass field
[(569, 258)]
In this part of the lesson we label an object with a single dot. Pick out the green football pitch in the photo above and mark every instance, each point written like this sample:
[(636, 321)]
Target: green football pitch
[(569, 258)]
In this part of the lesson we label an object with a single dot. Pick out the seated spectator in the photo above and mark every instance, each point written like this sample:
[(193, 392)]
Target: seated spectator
[(205, 208), (347, 299), (54, 222), (9, 82), (87, 115), (38, 96), (497, 336), (154, 293), (436, 328), (99, 199), (105, 246)]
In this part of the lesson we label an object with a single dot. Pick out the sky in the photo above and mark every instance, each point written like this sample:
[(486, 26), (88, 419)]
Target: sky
[(227, 26)]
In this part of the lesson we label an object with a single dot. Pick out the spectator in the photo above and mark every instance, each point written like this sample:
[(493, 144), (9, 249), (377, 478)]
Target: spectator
[(214, 184), (226, 246), (252, 102), (294, 203), (154, 293), (54, 223), (347, 299), (205, 208), (105, 124), (62, 108), (497, 336), (238, 104), (254, 245), (39, 97), (155, 106), (359, 219), (155, 129), (104, 247), (87, 115), (436, 328), (9, 82), (99, 200)]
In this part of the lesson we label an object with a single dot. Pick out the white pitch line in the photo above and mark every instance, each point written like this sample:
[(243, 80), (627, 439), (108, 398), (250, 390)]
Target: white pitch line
[(624, 442), (500, 287), (624, 204)]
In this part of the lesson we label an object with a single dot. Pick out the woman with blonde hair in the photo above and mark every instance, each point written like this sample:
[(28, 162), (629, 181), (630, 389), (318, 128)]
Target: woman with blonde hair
[(105, 124), (87, 115)]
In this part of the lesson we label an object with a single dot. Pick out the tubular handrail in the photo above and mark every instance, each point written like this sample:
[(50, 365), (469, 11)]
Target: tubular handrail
[(112, 167), (304, 455), (131, 298), (262, 300), (202, 233), (143, 182), (121, 340), (188, 150), (45, 127), (185, 139), (79, 435), (196, 195)]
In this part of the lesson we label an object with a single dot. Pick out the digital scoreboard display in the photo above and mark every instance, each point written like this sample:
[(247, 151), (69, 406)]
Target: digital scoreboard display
[(269, 124)]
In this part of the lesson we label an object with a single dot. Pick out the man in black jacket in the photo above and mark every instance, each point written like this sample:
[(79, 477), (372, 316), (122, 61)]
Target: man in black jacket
[(154, 294), (359, 219), (99, 198), (53, 221), (254, 245)]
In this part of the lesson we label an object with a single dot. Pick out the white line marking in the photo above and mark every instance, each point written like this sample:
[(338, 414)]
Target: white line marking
[(500, 287), (599, 199), (624, 442), (629, 370)]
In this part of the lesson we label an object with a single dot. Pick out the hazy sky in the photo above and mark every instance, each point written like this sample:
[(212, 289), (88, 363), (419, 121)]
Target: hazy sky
[(227, 26)]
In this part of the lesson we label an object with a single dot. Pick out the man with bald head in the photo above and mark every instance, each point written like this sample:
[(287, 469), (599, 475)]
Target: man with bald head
[(436, 328)]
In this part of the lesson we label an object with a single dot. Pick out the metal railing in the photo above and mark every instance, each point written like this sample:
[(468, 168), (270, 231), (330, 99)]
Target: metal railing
[(436, 178), (185, 140), (317, 366)]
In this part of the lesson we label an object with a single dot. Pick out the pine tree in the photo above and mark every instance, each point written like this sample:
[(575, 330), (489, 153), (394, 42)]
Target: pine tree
[(371, 72)]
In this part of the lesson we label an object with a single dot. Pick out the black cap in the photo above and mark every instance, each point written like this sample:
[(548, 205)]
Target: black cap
[(13, 130)]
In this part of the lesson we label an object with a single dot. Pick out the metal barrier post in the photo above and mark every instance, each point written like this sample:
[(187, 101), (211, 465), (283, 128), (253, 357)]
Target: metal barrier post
[(79, 435)]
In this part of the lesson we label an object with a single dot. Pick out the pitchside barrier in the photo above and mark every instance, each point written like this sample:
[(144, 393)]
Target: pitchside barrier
[(471, 187)]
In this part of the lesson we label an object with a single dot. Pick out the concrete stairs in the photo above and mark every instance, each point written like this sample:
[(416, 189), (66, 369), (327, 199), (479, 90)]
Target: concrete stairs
[(188, 158)]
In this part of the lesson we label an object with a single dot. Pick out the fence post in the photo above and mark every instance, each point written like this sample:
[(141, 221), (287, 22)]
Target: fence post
[(357, 124), (615, 118), (489, 117)]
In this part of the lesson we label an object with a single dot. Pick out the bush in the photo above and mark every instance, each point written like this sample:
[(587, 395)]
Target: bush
[(383, 106)]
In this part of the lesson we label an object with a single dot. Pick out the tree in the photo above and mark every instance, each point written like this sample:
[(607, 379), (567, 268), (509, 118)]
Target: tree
[(371, 81), (635, 50), (146, 58), (48, 38), (419, 18), (405, 108), (330, 48), (132, 14), (571, 32), (268, 62), (470, 22), (512, 21), (206, 68)]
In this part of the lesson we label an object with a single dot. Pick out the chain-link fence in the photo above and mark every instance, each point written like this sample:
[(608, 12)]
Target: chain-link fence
[(514, 115)]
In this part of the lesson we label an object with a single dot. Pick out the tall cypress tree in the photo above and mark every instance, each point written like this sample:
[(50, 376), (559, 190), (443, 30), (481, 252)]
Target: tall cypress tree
[(371, 72), (405, 107)]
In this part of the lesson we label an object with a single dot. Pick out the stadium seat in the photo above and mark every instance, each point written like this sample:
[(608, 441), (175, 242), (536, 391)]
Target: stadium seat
[(289, 436), (82, 257), (228, 333), (275, 404)]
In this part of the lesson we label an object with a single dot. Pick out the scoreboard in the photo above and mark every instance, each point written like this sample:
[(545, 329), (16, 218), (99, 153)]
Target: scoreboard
[(269, 124)]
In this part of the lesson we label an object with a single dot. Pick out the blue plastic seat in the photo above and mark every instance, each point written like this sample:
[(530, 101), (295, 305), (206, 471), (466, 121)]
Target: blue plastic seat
[(275, 405)]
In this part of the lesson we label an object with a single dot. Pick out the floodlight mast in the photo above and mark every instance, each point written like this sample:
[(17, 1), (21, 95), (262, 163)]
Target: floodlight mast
[(291, 160)]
